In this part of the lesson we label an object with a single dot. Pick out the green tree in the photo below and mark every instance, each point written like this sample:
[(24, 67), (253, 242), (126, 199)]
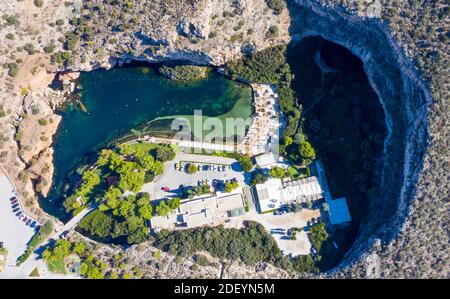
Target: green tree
[(246, 163), (38, 3), (174, 203), (79, 248), (97, 224), (277, 172), (162, 209), (192, 168), (258, 177), (307, 151), (230, 186)]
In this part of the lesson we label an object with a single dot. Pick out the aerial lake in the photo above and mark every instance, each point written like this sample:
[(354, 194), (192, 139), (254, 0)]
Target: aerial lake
[(118, 100)]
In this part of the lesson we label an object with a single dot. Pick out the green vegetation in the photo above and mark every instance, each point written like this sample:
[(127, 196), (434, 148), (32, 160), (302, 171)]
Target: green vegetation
[(35, 273), (270, 66), (276, 6), (29, 48), (318, 235), (303, 152), (160, 152), (11, 20), (230, 186), (90, 267), (251, 245), (190, 192), (245, 162), (122, 170), (44, 231), (298, 173), (61, 57), (50, 48), (272, 32), (43, 121), (38, 3), (184, 72), (258, 177), (201, 260), (13, 69), (2, 111), (277, 172), (191, 168)]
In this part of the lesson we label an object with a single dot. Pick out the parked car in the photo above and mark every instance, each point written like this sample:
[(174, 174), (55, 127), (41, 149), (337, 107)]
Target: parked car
[(14, 201), (271, 206), (25, 219), (21, 216), (15, 205), (19, 213), (33, 224), (273, 200), (165, 189), (28, 222), (16, 210), (12, 198)]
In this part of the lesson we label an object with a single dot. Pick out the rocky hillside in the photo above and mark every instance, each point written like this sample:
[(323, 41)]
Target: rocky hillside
[(39, 39)]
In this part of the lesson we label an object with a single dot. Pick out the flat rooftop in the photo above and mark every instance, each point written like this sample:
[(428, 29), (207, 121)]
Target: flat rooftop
[(275, 193), (202, 211)]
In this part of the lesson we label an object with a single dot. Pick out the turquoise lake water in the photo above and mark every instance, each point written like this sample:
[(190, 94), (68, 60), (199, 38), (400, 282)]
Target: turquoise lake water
[(119, 99)]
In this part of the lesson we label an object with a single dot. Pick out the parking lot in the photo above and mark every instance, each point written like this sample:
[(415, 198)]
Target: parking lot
[(13, 232), (278, 225), (173, 178)]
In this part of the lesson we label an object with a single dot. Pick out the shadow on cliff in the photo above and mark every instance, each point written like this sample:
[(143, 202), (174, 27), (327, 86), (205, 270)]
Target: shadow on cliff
[(354, 115)]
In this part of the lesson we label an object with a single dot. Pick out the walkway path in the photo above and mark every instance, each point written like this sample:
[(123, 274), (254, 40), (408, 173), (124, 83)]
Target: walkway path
[(188, 143)]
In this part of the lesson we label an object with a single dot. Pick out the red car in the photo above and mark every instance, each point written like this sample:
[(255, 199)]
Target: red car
[(25, 219), (165, 189)]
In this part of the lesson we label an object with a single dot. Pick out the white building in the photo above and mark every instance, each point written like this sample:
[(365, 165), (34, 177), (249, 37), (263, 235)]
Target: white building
[(201, 211), (274, 193)]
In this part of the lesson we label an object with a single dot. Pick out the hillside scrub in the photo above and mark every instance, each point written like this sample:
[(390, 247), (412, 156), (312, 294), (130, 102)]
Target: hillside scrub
[(270, 66), (184, 72), (251, 245)]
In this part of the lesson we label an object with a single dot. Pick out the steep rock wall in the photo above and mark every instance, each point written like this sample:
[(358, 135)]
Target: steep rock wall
[(404, 98)]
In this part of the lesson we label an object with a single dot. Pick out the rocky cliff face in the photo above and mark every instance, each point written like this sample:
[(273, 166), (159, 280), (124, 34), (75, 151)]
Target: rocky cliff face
[(407, 104)]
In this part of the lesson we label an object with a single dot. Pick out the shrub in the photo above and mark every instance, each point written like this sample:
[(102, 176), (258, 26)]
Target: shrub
[(49, 48), (272, 32), (13, 69), (246, 163), (9, 36), (184, 72), (38, 3), (29, 48), (276, 6), (191, 168), (43, 121)]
